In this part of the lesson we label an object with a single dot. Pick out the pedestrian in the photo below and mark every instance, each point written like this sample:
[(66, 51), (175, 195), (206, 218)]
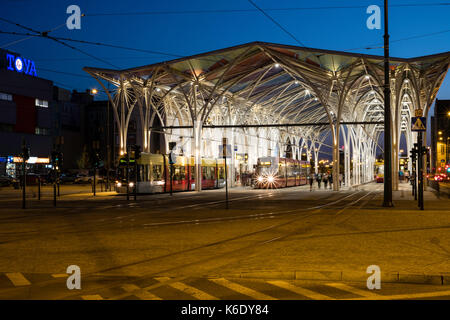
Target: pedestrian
[(311, 180), (340, 179), (325, 180), (330, 180), (319, 180)]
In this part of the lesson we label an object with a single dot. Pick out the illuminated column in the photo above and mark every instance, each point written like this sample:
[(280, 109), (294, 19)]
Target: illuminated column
[(335, 161), (197, 139)]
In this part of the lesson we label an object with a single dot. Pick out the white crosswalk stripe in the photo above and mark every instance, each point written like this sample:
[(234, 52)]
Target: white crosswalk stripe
[(359, 292), (140, 293), (302, 291), (18, 279), (92, 297), (242, 289), (196, 293)]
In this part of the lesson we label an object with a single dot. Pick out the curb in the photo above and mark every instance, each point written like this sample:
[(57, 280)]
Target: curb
[(353, 276)]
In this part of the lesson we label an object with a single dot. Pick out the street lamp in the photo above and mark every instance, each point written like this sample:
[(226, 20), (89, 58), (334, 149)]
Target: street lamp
[(94, 91)]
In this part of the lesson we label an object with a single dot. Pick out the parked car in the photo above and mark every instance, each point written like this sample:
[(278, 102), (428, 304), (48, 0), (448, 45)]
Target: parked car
[(67, 178), (5, 181), (84, 178)]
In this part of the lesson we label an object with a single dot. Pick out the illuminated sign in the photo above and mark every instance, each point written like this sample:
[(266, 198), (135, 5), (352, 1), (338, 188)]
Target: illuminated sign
[(20, 65), (32, 160)]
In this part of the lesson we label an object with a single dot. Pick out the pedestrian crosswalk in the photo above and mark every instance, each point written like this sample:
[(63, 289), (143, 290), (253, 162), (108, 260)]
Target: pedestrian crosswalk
[(208, 288), (166, 288)]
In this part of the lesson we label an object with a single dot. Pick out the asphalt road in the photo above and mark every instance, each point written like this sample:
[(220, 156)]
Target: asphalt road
[(271, 244)]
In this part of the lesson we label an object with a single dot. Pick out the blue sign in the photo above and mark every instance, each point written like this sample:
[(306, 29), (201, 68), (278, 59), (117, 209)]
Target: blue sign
[(418, 124), (20, 65)]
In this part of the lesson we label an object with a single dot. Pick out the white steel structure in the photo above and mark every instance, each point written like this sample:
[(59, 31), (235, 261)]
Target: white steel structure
[(263, 83)]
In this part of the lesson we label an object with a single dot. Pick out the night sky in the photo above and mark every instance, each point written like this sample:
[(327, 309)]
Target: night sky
[(176, 31)]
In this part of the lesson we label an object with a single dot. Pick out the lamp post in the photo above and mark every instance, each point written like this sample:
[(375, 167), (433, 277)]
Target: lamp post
[(387, 200)]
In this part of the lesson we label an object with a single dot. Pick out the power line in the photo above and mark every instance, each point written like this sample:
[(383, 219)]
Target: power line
[(173, 12), (44, 34), (276, 23)]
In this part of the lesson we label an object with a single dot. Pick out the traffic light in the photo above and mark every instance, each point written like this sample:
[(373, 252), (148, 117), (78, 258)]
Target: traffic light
[(55, 159), (59, 160), (96, 160)]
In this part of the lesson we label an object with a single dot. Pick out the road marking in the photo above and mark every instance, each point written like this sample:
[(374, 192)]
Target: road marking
[(408, 296), (139, 292), (196, 293), (18, 279), (59, 275), (92, 297), (241, 289), (302, 291), (359, 292)]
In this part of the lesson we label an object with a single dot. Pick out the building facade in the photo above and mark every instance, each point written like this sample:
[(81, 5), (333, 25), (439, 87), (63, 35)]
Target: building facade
[(440, 135)]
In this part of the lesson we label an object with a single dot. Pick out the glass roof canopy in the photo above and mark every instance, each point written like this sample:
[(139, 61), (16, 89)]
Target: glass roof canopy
[(261, 83)]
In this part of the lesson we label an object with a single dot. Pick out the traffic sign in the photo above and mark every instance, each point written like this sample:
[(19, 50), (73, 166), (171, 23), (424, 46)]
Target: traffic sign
[(419, 124), (225, 150)]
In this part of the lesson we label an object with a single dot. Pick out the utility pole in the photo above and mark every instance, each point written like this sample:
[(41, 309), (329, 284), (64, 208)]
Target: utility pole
[(25, 157), (420, 168), (387, 200)]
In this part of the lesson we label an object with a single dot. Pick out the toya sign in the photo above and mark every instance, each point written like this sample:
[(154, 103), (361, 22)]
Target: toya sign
[(19, 64)]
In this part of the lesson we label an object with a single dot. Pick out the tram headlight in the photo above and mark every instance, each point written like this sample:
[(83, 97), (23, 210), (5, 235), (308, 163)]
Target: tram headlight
[(119, 184), (260, 179), (131, 184), (270, 179)]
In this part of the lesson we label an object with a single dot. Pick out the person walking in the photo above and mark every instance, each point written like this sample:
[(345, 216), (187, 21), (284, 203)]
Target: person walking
[(311, 180), (340, 179), (330, 179), (325, 180), (319, 180)]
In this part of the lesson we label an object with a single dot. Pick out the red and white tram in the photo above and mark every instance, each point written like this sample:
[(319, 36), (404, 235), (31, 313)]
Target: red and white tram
[(153, 174), (274, 172)]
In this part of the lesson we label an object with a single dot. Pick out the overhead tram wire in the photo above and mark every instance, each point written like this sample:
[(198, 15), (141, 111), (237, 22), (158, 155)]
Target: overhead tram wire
[(276, 23), (161, 53), (44, 34), (99, 14)]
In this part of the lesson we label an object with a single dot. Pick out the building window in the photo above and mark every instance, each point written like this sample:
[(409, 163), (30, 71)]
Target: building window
[(5, 96), (42, 131), (41, 103)]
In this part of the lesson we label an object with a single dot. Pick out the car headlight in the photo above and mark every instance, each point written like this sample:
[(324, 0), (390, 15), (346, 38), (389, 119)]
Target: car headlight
[(270, 179), (260, 179)]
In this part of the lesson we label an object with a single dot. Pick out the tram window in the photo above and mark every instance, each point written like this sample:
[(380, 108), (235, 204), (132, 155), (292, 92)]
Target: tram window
[(157, 172), (221, 173), (183, 173)]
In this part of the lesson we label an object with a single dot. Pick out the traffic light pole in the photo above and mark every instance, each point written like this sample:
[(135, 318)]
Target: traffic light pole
[(420, 169), (24, 183), (226, 181), (387, 201), (95, 173), (128, 175), (135, 178)]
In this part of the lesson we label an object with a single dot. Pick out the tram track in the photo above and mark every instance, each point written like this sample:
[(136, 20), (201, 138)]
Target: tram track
[(214, 257), (215, 246), (107, 221)]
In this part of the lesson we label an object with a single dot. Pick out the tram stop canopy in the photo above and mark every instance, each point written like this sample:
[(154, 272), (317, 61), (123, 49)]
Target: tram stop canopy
[(323, 98)]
